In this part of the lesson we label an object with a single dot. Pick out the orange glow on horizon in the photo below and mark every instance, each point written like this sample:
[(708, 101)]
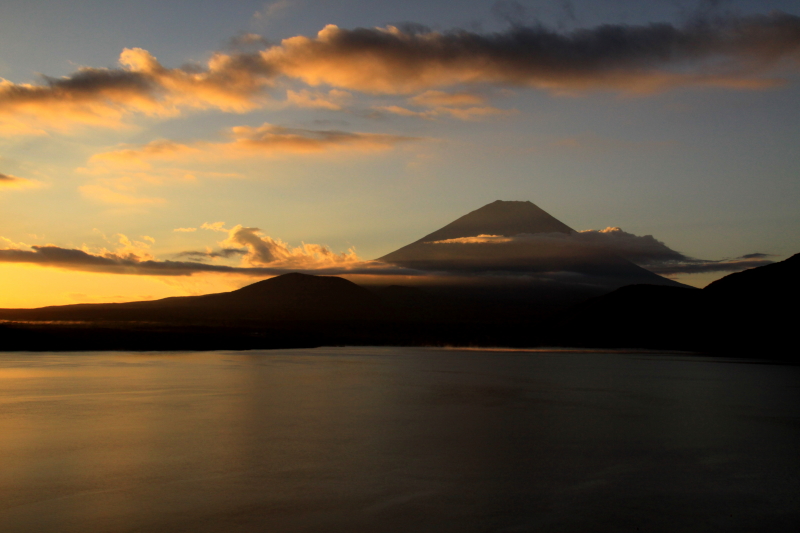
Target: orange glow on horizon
[(30, 286)]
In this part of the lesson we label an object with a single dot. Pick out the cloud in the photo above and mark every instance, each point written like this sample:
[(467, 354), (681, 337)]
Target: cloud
[(645, 251), (268, 138), (263, 250), (639, 249), (8, 181), (103, 97), (697, 266), (262, 141), (258, 254), (724, 51), (110, 195), (333, 100), (468, 113), (441, 98), (185, 230), (225, 253), (733, 52), (214, 226), (271, 9), (144, 265), (459, 105)]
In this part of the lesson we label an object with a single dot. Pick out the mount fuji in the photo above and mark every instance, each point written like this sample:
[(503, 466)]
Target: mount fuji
[(518, 239)]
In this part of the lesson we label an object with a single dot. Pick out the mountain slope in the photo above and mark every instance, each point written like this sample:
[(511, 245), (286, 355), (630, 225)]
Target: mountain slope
[(751, 313)]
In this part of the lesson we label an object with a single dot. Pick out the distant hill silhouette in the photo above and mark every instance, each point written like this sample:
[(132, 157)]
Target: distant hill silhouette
[(768, 281), (288, 297), (753, 313)]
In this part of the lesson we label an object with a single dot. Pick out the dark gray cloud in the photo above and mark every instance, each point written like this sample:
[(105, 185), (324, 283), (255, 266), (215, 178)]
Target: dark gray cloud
[(699, 266), (725, 51), (645, 251), (226, 253)]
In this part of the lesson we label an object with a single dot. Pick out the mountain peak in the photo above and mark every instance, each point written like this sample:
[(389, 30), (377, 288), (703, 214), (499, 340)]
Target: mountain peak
[(501, 217), (551, 256)]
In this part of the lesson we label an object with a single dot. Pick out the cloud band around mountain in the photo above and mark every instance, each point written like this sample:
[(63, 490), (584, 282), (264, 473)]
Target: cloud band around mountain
[(645, 251), (74, 259)]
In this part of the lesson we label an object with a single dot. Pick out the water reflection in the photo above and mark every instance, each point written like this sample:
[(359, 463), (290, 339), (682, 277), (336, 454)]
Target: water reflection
[(380, 439)]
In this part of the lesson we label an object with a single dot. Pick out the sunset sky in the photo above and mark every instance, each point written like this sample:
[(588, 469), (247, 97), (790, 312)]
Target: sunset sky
[(140, 141)]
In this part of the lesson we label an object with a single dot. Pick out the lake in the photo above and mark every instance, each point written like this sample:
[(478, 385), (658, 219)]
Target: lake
[(397, 440)]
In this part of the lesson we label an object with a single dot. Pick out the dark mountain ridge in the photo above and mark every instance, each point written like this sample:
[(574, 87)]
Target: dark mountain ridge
[(753, 313), (291, 296)]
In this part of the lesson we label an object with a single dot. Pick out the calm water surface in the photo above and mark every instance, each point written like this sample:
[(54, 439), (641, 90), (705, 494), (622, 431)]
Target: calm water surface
[(396, 439)]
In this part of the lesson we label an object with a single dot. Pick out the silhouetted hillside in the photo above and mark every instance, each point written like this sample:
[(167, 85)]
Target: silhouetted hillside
[(766, 281), (752, 313), (287, 297)]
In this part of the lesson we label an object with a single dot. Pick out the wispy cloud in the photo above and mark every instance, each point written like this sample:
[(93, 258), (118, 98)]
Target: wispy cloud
[(270, 10), (441, 98), (333, 100), (7, 181), (110, 194), (461, 113), (246, 141)]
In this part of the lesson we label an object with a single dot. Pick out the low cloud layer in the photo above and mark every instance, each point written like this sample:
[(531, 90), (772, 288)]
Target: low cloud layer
[(131, 264), (258, 254), (645, 251), (734, 52)]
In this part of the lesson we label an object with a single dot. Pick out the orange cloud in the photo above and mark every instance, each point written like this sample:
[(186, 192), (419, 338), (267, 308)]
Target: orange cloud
[(461, 113), (116, 195), (262, 141), (263, 250), (103, 97), (8, 181), (734, 53), (441, 98), (333, 99)]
